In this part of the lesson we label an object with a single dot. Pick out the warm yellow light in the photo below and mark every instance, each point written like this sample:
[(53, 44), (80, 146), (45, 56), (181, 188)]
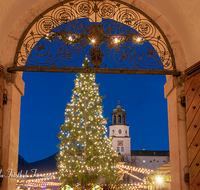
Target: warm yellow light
[(138, 39), (93, 41), (159, 179), (116, 40), (70, 38)]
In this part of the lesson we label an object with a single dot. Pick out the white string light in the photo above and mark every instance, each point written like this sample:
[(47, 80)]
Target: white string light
[(134, 176), (135, 169)]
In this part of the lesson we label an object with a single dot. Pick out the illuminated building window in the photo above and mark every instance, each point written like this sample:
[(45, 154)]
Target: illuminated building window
[(118, 149), (144, 161), (122, 149)]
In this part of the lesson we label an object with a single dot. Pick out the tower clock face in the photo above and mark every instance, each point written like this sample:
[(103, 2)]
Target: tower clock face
[(120, 131)]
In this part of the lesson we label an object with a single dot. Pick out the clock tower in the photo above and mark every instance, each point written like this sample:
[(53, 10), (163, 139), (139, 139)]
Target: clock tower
[(119, 130)]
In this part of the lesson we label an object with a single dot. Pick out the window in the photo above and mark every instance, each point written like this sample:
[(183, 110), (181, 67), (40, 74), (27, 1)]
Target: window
[(114, 119), (144, 161), (126, 132), (120, 131), (118, 149), (150, 161), (122, 149), (113, 131), (119, 119)]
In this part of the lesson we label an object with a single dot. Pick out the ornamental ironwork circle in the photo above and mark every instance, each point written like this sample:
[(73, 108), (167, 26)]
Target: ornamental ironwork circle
[(112, 34)]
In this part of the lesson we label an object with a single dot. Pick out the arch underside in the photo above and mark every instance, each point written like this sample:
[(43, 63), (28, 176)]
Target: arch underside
[(118, 19)]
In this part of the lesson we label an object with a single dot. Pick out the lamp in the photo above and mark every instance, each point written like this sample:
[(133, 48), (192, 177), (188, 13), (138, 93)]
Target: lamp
[(159, 179)]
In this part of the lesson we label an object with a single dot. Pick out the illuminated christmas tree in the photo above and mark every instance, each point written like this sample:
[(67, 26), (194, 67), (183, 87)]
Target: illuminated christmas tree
[(85, 156)]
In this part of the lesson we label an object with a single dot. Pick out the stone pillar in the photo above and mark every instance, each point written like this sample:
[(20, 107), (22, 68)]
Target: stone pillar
[(14, 86), (174, 90)]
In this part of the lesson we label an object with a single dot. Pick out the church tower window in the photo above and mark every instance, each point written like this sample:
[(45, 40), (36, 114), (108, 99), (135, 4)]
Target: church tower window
[(123, 120), (126, 132), (113, 131), (114, 119), (120, 131), (119, 118)]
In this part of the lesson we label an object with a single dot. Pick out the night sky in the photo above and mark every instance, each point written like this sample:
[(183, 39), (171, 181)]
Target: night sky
[(46, 96)]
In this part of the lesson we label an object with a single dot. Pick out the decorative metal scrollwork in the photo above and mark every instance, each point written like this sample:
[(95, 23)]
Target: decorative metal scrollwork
[(108, 22)]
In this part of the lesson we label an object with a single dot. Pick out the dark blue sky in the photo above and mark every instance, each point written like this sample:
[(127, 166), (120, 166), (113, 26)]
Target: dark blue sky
[(46, 96)]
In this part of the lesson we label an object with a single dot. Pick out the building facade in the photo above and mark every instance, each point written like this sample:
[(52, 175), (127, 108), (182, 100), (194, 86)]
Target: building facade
[(121, 142), (149, 159), (119, 130)]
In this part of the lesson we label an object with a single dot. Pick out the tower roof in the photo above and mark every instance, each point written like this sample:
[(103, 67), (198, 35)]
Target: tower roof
[(118, 115), (118, 109)]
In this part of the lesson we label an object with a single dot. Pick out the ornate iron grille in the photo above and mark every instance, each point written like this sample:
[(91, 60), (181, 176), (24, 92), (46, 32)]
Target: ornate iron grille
[(46, 46)]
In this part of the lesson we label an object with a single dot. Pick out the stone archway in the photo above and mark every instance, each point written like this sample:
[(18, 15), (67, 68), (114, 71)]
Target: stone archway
[(15, 87)]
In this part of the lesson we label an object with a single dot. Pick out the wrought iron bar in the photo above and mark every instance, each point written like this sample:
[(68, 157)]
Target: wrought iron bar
[(93, 70)]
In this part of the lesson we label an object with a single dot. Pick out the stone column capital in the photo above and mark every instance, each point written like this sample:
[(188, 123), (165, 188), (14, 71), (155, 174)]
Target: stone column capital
[(174, 82), (16, 79)]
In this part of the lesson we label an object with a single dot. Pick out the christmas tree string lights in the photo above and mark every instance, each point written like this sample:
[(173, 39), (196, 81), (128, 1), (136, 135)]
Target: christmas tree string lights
[(85, 156)]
